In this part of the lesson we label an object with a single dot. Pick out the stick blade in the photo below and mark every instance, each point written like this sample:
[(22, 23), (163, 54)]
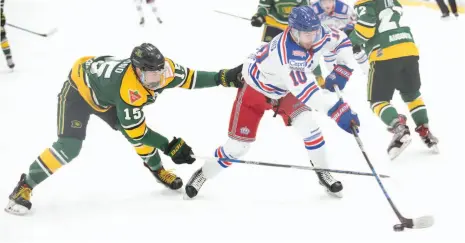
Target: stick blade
[(423, 222)]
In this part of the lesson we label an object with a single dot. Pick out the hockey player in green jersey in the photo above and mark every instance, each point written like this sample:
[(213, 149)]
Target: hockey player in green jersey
[(116, 91), (4, 41), (274, 14), (393, 58)]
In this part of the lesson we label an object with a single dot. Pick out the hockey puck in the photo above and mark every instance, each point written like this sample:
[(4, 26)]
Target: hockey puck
[(399, 227)]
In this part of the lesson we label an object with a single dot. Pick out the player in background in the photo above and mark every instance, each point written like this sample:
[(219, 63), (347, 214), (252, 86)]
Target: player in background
[(338, 15), (140, 10), (116, 90), (279, 77), (274, 15), (4, 41), (393, 57)]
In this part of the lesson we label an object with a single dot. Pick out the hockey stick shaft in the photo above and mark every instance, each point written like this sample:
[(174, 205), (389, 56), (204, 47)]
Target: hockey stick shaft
[(232, 15), (32, 32), (362, 149), (299, 167)]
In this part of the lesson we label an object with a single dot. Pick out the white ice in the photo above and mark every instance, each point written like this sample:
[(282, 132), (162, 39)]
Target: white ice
[(106, 195)]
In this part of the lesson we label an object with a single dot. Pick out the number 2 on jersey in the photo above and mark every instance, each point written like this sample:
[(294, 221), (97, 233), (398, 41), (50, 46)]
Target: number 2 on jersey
[(385, 17)]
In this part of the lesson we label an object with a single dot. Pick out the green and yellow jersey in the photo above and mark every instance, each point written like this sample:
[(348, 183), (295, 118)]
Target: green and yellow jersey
[(105, 82), (380, 32), (276, 12)]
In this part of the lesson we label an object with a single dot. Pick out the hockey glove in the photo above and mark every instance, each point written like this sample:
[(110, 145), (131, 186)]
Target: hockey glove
[(179, 152), (257, 20), (344, 116), (231, 77), (339, 76)]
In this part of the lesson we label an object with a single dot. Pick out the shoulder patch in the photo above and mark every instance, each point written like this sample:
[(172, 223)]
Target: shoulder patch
[(360, 2), (132, 92)]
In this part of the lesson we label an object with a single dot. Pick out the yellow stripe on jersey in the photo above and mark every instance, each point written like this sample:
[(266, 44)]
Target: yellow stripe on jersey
[(137, 132), (275, 23), (5, 44), (379, 107), (78, 77), (365, 31), (404, 49), (189, 83), (417, 103), (50, 161), (144, 150), (361, 2)]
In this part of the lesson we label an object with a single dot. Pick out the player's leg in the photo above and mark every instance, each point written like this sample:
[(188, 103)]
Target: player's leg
[(6, 48), (140, 11), (269, 32), (247, 111), (409, 87), (453, 7), (72, 118), (382, 79), (444, 8), (300, 117), (154, 10)]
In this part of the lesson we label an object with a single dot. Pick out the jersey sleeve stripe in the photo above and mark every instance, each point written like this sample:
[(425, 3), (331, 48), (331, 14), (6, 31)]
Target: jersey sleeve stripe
[(254, 74), (366, 24), (365, 32), (282, 49), (308, 91), (188, 84), (137, 133), (344, 43), (132, 126)]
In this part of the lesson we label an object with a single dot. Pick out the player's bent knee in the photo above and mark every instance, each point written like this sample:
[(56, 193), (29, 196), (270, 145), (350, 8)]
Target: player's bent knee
[(304, 123), (68, 147), (236, 148)]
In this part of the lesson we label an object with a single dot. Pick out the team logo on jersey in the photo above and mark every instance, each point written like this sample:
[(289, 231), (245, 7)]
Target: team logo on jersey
[(298, 53), (76, 124), (297, 65), (134, 95), (245, 130)]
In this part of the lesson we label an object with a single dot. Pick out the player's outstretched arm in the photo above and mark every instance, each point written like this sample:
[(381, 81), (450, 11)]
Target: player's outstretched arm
[(188, 78)]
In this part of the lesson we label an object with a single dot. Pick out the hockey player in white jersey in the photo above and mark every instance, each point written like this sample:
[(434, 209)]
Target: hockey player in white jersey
[(279, 77), (140, 10), (338, 15)]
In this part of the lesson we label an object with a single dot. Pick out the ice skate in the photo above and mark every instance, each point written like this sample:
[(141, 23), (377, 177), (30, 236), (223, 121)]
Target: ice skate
[(159, 20), (9, 62), (195, 183), (20, 198), (142, 21), (332, 186), (401, 138), (167, 178), (427, 137)]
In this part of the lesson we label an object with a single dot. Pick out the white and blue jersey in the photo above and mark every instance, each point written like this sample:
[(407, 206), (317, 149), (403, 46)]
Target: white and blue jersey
[(342, 17), (282, 66)]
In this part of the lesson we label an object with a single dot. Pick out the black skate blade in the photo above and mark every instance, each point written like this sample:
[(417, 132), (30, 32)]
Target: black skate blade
[(395, 152)]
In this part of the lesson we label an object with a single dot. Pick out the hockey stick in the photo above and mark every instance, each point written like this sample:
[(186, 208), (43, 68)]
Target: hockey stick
[(416, 223), (232, 15), (299, 167), (51, 32)]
